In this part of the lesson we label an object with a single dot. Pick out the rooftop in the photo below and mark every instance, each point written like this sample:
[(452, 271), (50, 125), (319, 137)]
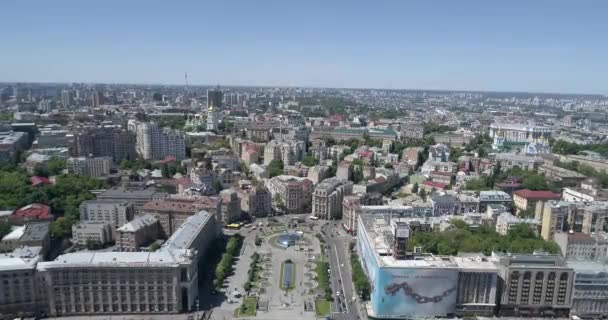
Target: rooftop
[(377, 230), (541, 195), (15, 234), (20, 259), (185, 235), (123, 193), (36, 231), (138, 223), (494, 196), (34, 211)]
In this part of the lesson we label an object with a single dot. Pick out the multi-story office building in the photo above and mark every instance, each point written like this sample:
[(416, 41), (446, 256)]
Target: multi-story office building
[(138, 197), (66, 99), (289, 152), (590, 290), (136, 233), (416, 285), (510, 160), (230, 206), (290, 194), (113, 212), (214, 98), (84, 233), (554, 217), (172, 211), (493, 197), (590, 217), (353, 206), (525, 199), (92, 167), (154, 143), (20, 296), (255, 201), (534, 285), (344, 171), (513, 132), (577, 245), (11, 143), (105, 142), (327, 198), (163, 281)]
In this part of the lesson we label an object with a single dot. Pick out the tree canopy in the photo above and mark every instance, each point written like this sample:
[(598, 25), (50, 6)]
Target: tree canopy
[(275, 168), (520, 239)]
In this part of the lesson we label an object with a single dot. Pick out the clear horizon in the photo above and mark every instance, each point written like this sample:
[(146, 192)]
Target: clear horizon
[(520, 46)]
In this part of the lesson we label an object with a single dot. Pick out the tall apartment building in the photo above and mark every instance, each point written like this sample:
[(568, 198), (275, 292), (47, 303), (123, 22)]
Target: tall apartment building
[(92, 167), (164, 281), (289, 152), (214, 98), (230, 206), (344, 171), (290, 195), (154, 143), (534, 285), (113, 212), (255, 201), (327, 198), (554, 216), (105, 142)]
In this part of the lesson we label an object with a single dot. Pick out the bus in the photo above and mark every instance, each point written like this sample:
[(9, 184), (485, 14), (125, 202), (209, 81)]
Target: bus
[(233, 226)]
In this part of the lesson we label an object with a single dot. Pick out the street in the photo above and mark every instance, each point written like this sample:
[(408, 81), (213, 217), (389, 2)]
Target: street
[(343, 306)]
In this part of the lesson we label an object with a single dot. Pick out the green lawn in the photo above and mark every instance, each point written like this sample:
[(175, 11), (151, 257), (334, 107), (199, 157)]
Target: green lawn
[(248, 308), (323, 278), (322, 307)]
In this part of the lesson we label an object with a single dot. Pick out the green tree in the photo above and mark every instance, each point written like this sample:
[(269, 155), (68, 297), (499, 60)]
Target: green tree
[(423, 194), (62, 227), (56, 166), (5, 228), (218, 186), (415, 188), (165, 171), (275, 168), (309, 161)]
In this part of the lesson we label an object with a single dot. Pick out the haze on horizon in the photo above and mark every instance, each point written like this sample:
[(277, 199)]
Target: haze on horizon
[(519, 46)]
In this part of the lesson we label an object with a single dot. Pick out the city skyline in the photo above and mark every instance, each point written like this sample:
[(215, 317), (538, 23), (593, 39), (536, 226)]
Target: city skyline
[(545, 47)]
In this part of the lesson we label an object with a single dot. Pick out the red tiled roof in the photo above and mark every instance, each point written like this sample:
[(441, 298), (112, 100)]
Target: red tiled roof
[(540, 195), (36, 180), (37, 211), (434, 184)]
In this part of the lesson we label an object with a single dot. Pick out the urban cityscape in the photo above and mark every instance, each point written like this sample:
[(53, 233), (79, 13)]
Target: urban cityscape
[(185, 200)]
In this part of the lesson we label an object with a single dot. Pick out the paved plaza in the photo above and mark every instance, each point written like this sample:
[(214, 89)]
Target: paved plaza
[(274, 302)]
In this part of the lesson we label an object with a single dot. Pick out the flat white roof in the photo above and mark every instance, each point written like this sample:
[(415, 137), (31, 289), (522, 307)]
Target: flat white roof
[(15, 234)]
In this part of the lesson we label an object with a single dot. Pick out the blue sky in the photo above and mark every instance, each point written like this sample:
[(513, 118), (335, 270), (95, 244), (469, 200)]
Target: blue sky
[(545, 46)]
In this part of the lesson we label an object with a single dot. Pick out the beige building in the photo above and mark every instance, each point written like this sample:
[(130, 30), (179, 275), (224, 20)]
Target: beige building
[(255, 200), (525, 200), (554, 217), (327, 198), (136, 233), (576, 245), (86, 232), (160, 282), (316, 174), (172, 211), (230, 206), (290, 195), (344, 171)]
